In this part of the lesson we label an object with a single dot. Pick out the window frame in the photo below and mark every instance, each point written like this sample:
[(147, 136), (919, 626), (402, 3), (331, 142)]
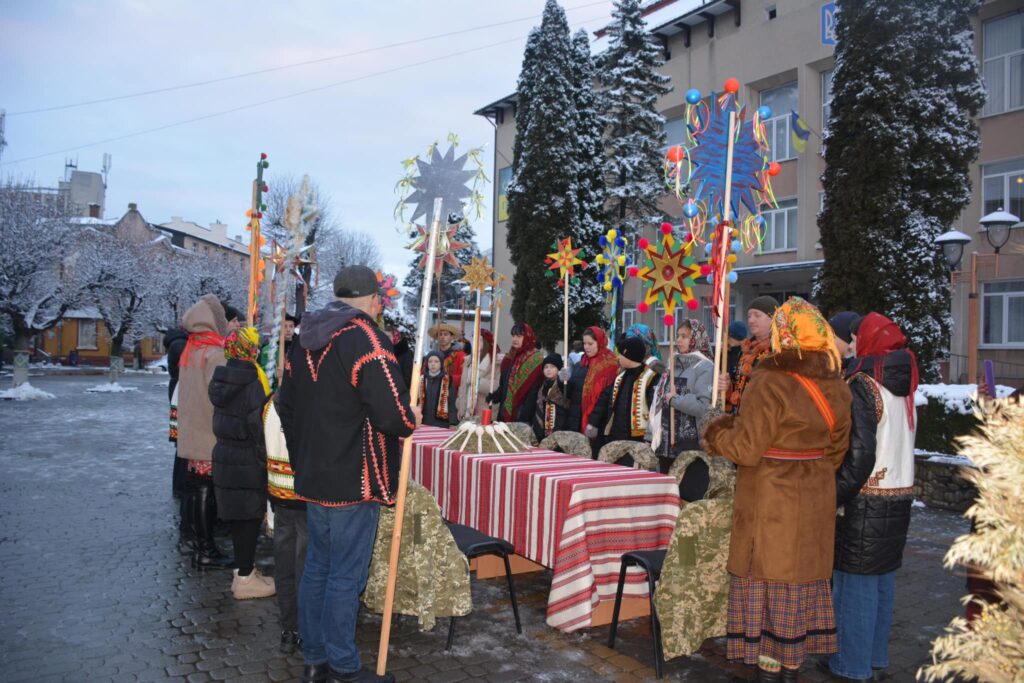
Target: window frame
[(1006, 176), (826, 105), (771, 125), (84, 324), (1005, 57), (770, 231), (1006, 296)]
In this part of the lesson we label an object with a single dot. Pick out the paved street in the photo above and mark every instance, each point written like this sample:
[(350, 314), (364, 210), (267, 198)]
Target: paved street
[(93, 586)]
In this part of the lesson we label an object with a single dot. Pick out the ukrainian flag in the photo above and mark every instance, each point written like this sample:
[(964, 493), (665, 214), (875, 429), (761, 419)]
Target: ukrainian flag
[(799, 132)]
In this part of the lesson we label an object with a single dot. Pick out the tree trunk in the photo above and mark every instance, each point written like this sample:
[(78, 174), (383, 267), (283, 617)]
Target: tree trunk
[(21, 340), (116, 360)]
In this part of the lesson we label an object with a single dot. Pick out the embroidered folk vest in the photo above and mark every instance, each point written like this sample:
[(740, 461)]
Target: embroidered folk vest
[(639, 411)]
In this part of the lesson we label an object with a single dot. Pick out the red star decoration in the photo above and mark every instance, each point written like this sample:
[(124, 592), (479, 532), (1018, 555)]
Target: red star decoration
[(447, 245)]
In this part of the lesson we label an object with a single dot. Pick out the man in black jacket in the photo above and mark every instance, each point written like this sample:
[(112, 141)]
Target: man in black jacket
[(343, 406)]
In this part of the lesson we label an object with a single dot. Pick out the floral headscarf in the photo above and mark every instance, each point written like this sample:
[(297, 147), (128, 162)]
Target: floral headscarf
[(644, 332), (800, 326), (699, 340), (244, 344)]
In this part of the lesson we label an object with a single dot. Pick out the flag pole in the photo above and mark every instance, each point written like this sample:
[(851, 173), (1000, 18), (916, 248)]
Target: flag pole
[(403, 474)]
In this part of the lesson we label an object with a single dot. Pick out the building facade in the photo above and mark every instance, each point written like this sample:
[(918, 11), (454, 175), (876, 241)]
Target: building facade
[(782, 53)]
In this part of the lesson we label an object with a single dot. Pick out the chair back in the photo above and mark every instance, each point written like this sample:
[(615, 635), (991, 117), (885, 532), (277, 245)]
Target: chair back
[(572, 443), (702, 476), (638, 454), (524, 432)]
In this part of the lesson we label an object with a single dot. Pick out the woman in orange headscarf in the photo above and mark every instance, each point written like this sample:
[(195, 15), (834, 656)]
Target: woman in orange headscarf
[(787, 443)]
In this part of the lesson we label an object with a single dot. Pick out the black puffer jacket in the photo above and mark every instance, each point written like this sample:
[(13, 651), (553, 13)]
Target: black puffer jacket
[(574, 395), (174, 341), (239, 458), (872, 532)]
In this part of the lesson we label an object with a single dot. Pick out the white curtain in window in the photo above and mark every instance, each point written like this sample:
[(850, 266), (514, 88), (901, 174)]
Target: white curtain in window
[(1004, 35)]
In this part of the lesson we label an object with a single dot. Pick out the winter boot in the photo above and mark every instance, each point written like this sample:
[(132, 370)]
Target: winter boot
[(186, 524), (208, 555), (253, 586)]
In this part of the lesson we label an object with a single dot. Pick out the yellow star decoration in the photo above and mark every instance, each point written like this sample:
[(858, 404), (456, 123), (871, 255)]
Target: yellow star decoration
[(478, 275), (565, 259), (670, 273)]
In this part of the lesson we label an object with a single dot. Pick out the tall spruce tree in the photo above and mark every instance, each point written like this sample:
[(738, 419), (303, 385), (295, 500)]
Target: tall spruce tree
[(543, 195), (635, 130), (900, 143)]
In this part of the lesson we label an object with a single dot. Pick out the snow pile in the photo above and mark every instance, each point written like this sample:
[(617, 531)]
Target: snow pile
[(958, 397), (109, 388), (24, 392), (944, 458)]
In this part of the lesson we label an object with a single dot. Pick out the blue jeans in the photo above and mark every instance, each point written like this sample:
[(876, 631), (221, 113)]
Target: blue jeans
[(337, 564), (863, 605)]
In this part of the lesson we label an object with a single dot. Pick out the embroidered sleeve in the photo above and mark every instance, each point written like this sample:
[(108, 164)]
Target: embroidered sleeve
[(374, 375)]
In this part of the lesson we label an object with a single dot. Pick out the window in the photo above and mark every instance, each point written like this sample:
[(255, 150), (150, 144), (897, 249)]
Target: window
[(86, 334), (675, 131), (780, 227), (1003, 187), (782, 100), (668, 333), (1002, 313), (826, 103), (770, 12), (629, 316), (1003, 64)]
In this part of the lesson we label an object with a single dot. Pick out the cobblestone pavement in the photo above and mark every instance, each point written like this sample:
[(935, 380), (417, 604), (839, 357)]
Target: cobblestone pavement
[(93, 586)]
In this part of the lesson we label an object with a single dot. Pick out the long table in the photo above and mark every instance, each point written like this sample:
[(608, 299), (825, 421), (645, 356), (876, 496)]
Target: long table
[(573, 515)]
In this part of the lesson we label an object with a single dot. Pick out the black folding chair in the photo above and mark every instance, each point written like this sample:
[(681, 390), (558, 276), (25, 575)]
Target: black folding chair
[(473, 543)]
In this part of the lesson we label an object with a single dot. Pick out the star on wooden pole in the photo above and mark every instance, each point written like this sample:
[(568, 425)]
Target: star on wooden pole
[(478, 275)]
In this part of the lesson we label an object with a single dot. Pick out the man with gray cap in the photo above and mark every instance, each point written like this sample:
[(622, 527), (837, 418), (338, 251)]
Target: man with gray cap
[(343, 406)]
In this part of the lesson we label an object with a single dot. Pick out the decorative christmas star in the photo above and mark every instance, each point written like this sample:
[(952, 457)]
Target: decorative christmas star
[(671, 273), (442, 176), (478, 275), (564, 259), (386, 282), (447, 245)]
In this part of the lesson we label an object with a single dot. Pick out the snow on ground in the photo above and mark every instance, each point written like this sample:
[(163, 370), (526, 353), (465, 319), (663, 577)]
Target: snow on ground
[(959, 397), (25, 392), (918, 504), (946, 458), (109, 388)]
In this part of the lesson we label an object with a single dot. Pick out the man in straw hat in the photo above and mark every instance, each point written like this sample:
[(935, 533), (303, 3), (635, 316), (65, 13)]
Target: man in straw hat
[(444, 336), (343, 405)]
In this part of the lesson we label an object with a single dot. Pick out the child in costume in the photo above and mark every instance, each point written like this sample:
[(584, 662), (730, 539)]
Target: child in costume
[(437, 393), (550, 413)]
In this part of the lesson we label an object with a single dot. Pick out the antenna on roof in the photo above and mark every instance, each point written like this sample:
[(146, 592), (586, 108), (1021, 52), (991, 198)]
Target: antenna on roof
[(69, 165), (106, 168)]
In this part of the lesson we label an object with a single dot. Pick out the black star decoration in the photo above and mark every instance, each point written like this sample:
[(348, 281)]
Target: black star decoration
[(444, 177)]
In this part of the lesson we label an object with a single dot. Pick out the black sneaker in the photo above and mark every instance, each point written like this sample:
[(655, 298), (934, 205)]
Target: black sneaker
[(289, 642), (363, 675)]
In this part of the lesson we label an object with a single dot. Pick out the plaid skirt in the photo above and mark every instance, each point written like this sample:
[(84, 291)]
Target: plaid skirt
[(784, 621)]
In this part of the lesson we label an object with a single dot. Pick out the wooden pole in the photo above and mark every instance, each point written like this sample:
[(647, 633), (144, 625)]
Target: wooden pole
[(565, 318), (462, 324), (474, 374), (726, 241), (403, 474), (672, 386), (972, 325), (494, 351)]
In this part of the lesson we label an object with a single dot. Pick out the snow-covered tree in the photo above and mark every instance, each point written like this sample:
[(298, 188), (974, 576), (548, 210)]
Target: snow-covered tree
[(544, 195), (634, 129), (122, 285), (36, 287), (901, 140), (339, 248)]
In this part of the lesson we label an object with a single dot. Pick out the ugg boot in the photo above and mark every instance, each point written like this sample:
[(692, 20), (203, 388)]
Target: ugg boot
[(208, 555), (253, 586)]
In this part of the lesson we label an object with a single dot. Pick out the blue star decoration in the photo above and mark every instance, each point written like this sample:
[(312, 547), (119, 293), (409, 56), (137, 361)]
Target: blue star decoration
[(709, 157), (444, 177)]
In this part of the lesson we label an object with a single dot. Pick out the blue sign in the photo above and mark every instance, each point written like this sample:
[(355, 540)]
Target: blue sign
[(828, 24)]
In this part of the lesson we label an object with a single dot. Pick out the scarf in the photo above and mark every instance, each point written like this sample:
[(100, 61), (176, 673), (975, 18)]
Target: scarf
[(644, 332), (244, 344), (800, 326), (601, 371), (699, 340), (198, 340), (751, 353), (879, 336), (524, 365)]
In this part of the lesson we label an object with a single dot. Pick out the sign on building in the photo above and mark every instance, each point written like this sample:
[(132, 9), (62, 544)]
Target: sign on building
[(828, 24)]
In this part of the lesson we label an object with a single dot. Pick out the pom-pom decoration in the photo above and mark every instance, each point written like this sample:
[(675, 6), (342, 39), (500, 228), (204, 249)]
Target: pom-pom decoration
[(614, 261), (668, 274), (386, 283)]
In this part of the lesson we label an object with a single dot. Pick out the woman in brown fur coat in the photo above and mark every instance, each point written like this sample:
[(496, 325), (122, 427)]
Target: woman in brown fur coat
[(787, 444)]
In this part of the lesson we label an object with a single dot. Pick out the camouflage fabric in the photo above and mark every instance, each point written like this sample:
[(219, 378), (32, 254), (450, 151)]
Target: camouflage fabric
[(572, 443), (643, 456), (692, 596), (433, 575), (721, 472), (524, 432)]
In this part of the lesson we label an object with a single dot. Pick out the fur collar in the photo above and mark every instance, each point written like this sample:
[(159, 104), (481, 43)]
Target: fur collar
[(813, 364)]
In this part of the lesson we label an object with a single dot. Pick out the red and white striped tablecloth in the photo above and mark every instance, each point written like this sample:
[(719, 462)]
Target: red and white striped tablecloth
[(574, 515)]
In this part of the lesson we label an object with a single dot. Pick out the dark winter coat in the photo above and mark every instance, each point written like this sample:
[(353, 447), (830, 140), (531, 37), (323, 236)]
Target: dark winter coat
[(431, 396), (240, 457), (343, 407), (174, 342), (872, 531), (574, 395), (732, 361), (551, 392), (615, 420), (403, 353)]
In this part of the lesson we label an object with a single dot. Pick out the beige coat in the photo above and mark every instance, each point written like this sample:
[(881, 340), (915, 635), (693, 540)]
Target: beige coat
[(195, 412)]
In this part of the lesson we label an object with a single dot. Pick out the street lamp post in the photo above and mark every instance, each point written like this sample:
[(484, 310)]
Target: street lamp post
[(997, 231)]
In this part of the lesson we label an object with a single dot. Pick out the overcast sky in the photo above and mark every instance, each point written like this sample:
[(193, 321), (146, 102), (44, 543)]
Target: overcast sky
[(350, 138)]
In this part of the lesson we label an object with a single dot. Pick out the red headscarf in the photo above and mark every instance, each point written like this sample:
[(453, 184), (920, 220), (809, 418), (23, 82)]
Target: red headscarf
[(488, 343), (878, 336), (525, 366), (601, 371)]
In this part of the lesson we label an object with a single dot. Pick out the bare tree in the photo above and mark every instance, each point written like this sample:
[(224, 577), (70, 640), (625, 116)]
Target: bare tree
[(36, 287), (340, 248)]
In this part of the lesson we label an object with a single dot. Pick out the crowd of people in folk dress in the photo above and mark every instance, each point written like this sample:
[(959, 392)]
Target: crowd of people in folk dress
[(819, 421)]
